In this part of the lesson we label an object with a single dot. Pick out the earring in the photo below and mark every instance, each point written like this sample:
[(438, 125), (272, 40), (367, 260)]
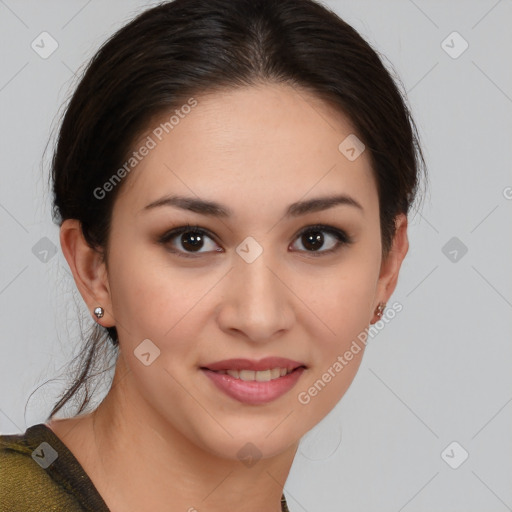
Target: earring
[(380, 309), (99, 311)]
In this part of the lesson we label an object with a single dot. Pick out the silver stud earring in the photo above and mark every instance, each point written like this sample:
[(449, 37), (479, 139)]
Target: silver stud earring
[(99, 312)]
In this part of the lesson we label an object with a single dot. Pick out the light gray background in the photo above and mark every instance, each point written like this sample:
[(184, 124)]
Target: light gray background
[(438, 373)]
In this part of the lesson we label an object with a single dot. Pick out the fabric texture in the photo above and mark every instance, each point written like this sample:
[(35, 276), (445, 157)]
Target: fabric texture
[(38, 473)]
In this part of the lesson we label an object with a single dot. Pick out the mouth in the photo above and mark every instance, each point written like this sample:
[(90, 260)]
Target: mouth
[(254, 382)]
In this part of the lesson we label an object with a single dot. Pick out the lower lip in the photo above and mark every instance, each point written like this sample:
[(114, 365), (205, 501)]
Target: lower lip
[(254, 392)]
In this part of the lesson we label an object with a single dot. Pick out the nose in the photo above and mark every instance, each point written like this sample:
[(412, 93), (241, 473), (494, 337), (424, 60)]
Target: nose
[(257, 301)]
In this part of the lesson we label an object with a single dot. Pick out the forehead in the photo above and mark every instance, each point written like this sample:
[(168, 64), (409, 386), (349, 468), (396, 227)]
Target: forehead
[(262, 143)]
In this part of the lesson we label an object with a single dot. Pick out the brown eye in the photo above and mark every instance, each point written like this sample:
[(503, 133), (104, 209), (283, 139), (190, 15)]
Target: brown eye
[(192, 241), (313, 239), (187, 240)]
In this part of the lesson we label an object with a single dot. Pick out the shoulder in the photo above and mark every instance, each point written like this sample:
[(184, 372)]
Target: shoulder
[(24, 482)]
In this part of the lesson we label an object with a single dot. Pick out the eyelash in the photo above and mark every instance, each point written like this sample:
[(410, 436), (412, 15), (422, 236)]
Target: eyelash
[(343, 239)]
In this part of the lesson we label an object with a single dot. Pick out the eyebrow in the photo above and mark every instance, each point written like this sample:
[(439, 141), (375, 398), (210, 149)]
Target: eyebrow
[(214, 209)]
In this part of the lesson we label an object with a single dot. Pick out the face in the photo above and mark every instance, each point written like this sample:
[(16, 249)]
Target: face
[(258, 281)]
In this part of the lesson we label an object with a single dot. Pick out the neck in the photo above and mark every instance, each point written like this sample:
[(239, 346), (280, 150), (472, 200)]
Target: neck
[(139, 461)]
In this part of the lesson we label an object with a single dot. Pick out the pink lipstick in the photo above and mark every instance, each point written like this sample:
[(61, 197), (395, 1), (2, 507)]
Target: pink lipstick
[(254, 382)]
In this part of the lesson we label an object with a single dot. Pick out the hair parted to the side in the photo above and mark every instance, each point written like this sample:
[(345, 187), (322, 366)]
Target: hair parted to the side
[(187, 48)]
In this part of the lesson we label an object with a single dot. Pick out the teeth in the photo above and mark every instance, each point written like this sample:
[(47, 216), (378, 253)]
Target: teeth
[(259, 376)]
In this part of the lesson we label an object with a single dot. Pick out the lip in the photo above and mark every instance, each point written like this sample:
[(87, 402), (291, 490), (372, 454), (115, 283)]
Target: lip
[(250, 364), (254, 392)]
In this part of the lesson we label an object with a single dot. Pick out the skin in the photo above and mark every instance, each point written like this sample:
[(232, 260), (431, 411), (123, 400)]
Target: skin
[(164, 434)]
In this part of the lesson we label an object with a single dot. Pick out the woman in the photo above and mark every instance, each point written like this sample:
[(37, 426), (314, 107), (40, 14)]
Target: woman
[(232, 182)]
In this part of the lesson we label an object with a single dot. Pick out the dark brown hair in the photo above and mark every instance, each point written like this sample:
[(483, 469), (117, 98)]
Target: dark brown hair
[(183, 48)]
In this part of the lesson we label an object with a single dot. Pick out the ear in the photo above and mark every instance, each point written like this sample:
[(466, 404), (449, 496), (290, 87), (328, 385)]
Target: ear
[(89, 270), (390, 267)]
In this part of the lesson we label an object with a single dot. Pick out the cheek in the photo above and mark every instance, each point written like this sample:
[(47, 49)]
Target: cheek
[(165, 304), (344, 307), (342, 296)]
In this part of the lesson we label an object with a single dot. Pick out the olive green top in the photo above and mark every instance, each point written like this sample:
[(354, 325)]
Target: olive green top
[(38, 473)]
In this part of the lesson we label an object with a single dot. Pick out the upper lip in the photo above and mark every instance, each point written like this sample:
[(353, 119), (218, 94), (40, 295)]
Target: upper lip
[(251, 364)]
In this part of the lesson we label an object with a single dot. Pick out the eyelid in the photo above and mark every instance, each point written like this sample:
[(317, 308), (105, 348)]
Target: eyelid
[(338, 232)]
